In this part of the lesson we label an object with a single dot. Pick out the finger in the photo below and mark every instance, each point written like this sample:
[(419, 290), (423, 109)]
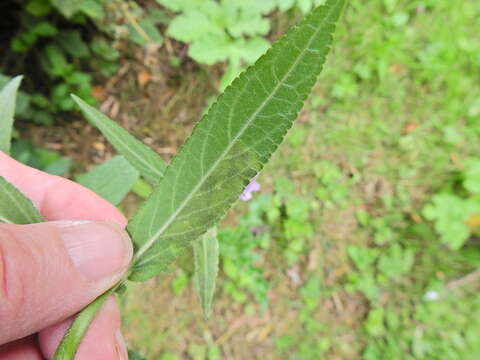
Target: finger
[(23, 349), (103, 340), (49, 271), (57, 198)]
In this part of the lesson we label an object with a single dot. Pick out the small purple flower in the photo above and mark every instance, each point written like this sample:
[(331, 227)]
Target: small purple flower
[(254, 186)]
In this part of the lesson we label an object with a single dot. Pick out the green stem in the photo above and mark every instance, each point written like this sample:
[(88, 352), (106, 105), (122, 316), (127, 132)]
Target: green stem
[(71, 340)]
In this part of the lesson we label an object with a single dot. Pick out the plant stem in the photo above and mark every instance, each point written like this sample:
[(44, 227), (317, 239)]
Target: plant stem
[(71, 340)]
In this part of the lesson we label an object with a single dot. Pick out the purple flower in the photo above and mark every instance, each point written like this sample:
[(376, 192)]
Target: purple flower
[(254, 186)]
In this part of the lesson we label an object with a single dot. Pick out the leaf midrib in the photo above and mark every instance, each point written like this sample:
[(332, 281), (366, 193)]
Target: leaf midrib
[(172, 218)]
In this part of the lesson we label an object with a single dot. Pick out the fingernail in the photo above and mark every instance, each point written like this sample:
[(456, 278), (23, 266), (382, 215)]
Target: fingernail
[(121, 346), (99, 250)]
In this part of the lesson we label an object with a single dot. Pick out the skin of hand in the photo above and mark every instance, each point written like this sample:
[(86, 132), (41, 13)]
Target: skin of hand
[(50, 271)]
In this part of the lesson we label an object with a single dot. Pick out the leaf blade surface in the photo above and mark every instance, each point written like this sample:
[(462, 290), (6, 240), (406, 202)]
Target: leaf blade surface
[(231, 144), (150, 165), (206, 255), (16, 208), (8, 96)]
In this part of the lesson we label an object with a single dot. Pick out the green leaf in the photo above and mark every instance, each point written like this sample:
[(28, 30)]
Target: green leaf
[(112, 180), (231, 144), (210, 50), (472, 176), (59, 167), (71, 41), (193, 25), (103, 49), (45, 29), (149, 33), (38, 7), (206, 254), (233, 69), (145, 160), (92, 8), (250, 49), (450, 214), (66, 7), (16, 208), (54, 61), (396, 261), (181, 5), (8, 97), (249, 23), (285, 5)]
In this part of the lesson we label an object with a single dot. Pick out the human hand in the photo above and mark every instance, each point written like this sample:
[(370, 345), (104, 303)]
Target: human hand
[(50, 271)]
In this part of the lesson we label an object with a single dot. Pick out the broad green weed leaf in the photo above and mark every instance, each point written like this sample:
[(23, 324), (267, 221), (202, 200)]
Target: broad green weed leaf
[(139, 155), (231, 144), (8, 97), (206, 254), (112, 180), (16, 208)]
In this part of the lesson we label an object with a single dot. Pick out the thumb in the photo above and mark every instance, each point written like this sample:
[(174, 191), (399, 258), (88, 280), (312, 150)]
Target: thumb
[(49, 271)]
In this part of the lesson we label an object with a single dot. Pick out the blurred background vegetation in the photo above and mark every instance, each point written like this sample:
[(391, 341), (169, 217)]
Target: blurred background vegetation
[(364, 239)]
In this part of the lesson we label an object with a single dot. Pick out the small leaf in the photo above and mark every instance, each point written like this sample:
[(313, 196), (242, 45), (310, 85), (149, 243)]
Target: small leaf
[(231, 144), (112, 180), (16, 208), (92, 8), (145, 32), (71, 41), (145, 160), (8, 97), (206, 254), (66, 7)]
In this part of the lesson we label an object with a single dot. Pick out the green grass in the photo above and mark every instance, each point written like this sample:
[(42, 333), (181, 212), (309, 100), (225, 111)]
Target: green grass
[(394, 119)]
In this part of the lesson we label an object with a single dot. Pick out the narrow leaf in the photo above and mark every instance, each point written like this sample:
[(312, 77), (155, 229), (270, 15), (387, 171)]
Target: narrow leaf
[(16, 208), (231, 144), (8, 96), (205, 251), (71, 340), (150, 165), (112, 180)]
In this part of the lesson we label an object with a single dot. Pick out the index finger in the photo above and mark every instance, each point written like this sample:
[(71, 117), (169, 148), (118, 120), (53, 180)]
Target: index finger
[(58, 198)]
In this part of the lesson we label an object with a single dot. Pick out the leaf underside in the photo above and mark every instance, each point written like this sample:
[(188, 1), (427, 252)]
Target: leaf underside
[(149, 164), (231, 144), (8, 97), (206, 254), (15, 207)]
